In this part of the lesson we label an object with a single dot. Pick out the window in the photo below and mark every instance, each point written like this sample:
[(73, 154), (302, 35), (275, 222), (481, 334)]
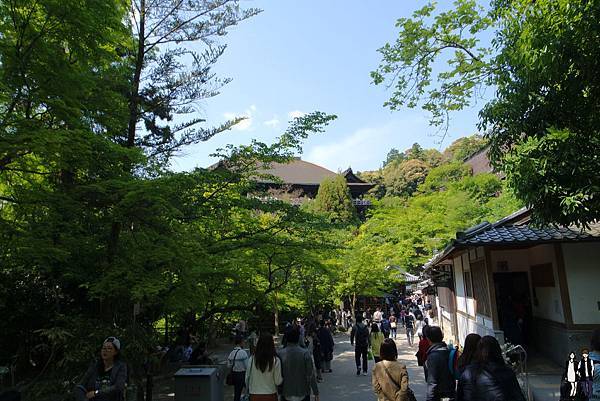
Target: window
[(480, 288), (468, 284)]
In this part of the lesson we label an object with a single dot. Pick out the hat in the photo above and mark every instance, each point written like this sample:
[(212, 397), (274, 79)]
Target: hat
[(115, 342)]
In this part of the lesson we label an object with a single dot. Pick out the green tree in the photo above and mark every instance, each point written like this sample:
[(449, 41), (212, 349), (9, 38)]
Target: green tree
[(464, 147), (402, 179), (393, 156), (334, 199), (542, 124)]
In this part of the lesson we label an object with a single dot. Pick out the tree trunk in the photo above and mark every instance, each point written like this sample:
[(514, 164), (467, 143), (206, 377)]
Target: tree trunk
[(353, 306), (134, 99)]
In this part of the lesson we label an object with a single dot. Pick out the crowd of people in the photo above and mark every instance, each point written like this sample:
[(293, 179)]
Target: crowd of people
[(476, 372)]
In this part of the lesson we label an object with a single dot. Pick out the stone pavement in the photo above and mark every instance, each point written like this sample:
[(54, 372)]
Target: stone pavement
[(342, 384)]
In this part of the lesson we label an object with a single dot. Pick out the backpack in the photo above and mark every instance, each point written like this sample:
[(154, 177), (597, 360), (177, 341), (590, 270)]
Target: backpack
[(453, 363), (362, 335), (418, 314)]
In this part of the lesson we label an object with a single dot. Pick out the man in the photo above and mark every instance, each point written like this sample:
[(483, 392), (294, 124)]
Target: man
[(385, 327), (409, 323), (377, 316), (441, 385), (237, 360), (360, 336), (297, 368)]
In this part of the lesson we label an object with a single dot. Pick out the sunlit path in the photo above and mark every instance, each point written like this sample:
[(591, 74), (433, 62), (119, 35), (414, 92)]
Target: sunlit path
[(343, 384)]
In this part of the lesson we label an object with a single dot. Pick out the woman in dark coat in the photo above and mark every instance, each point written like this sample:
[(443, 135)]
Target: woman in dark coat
[(326, 342), (468, 354), (106, 378), (488, 378)]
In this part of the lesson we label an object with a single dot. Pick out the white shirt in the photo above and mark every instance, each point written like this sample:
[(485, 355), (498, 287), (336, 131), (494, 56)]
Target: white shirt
[(237, 360), (263, 382), (377, 316)]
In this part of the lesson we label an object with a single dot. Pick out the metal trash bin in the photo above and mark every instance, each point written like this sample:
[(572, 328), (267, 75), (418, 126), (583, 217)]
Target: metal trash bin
[(199, 384)]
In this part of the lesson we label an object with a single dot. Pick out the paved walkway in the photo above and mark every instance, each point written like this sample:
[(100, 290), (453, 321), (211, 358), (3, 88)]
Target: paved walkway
[(343, 384)]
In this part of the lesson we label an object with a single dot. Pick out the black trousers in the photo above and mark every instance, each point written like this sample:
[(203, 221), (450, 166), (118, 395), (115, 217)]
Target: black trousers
[(239, 382), (361, 351)]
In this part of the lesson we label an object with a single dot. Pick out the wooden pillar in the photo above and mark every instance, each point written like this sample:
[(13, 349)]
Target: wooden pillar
[(489, 268), (563, 286)]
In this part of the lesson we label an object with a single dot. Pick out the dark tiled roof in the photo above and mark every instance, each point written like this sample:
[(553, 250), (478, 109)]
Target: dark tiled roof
[(514, 230), (524, 235), (301, 172)]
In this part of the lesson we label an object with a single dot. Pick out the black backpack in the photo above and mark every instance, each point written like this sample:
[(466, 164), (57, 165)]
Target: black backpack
[(362, 335)]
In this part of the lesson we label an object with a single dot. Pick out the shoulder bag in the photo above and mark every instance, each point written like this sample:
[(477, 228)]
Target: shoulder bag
[(410, 394), (229, 377)]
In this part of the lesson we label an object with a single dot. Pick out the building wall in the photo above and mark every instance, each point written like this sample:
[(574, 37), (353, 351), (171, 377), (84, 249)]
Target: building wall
[(467, 317), (549, 304), (582, 265)]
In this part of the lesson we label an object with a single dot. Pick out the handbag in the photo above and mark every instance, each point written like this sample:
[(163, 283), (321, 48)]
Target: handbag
[(409, 393), (370, 354), (229, 377)]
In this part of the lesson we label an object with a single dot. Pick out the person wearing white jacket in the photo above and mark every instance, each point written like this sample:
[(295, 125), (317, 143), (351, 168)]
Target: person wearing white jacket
[(264, 371)]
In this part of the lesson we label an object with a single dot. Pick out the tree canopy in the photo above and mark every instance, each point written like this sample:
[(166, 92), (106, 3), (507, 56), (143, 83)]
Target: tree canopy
[(541, 123)]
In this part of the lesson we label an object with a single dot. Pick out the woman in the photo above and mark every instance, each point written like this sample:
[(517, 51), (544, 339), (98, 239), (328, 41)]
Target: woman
[(424, 345), (264, 371), (105, 379), (376, 338), (488, 378), (468, 353), (390, 378), (393, 326), (327, 344), (237, 362), (315, 345)]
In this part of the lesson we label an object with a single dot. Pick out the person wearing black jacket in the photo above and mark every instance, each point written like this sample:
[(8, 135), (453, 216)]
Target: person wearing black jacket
[(489, 378), (106, 378), (440, 383), (326, 342)]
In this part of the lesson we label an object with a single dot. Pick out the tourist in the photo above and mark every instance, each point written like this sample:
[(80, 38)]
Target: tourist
[(377, 316), (297, 369), (440, 382), (327, 344), (106, 378), (385, 326), (390, 378), (489, 378), (402, 315), (393, 326), (241, 327), (468, 351), (409, 323), (595, 357), (237, 360), (264, 371), (315, 347), (359, 336), (419, 324), (424, 345), (376, 338), (200, 355)]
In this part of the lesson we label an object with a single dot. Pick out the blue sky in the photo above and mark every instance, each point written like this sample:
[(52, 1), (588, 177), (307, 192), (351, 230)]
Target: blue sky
[(299, 56)]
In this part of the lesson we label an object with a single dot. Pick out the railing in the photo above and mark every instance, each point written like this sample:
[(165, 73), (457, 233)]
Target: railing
[(516, 357), (361, 202)]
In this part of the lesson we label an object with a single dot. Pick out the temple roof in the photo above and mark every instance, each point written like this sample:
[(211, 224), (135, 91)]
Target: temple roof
[(301, 172)]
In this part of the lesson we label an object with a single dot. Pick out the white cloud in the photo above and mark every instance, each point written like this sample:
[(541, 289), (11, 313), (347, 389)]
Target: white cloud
[(296, 114), (365, 148), (273, 123), (244, 125)]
